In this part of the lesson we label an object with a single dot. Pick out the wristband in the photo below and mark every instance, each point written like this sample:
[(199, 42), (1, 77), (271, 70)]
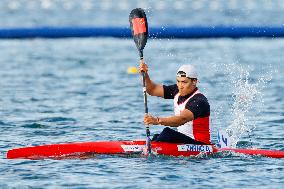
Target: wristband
[(158, 120)]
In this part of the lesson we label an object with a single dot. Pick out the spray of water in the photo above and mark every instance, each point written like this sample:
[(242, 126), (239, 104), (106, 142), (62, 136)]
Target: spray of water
[(247, 96)]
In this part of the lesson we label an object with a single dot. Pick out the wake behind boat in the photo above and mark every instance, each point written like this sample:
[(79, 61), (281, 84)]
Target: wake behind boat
[(79, 149)]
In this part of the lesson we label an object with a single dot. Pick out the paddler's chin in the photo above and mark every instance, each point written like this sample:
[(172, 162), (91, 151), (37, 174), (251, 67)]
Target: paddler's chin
[(182, 93)]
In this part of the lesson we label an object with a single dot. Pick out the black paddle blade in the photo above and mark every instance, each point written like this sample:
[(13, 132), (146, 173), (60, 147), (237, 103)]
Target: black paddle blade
[(139, 28)]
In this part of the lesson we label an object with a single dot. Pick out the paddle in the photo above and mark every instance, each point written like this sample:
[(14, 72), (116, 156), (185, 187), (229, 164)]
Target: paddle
[(139, 29)]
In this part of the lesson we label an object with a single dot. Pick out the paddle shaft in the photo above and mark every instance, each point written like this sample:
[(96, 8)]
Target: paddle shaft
[(145, 93), (144, 90), (148, 140)]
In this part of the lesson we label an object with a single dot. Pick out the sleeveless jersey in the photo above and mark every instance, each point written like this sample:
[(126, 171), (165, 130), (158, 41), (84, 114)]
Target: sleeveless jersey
[(198, 129)]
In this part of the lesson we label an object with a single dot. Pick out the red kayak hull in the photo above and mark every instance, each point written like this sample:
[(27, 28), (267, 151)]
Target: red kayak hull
[(106, 147), (84, 149)]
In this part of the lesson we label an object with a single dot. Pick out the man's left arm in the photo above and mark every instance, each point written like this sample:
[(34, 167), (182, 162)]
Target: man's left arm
[(172, 121)]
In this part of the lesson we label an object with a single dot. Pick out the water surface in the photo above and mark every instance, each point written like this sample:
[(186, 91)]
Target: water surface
[(69, 90)]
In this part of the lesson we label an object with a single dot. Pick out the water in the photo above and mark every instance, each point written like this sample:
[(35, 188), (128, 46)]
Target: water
[(68, 90)]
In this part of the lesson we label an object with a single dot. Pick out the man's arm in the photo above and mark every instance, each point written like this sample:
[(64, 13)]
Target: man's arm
[(152, 88), (172, 121)]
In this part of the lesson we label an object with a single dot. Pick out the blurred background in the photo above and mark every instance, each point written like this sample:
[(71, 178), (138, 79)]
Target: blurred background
[(35, 13)]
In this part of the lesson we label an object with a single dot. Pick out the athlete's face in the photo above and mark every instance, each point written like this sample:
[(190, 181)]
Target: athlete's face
[(185, 85)]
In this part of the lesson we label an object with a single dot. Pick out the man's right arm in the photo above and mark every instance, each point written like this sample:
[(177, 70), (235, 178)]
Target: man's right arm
[(152, 88)]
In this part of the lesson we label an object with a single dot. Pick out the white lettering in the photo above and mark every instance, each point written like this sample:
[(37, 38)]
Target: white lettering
[(194, 148), (132, 148)]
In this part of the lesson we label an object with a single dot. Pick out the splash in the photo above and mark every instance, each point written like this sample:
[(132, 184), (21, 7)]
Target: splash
[(247, 98)]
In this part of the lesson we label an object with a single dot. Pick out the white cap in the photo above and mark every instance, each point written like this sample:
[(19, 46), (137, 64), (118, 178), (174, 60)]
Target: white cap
[(189, 71)]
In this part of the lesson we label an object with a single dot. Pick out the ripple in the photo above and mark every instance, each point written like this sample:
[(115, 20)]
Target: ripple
[(2, 123), (83, 93), (115, 121), (34, 125), (58, 119), (276, 121), (49, 133)]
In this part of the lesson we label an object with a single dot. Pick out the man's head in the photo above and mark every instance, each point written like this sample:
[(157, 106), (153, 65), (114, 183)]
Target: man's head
[(186, 79)]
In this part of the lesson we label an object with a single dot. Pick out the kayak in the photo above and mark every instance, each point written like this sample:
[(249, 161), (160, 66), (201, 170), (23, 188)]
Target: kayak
[(85, 149), (107, 147)]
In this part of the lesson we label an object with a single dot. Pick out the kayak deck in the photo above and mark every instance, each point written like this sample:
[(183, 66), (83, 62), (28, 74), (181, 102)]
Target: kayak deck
[(85, 149)]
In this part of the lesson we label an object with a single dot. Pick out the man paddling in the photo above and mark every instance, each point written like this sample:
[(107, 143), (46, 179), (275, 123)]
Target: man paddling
[(191, 108)]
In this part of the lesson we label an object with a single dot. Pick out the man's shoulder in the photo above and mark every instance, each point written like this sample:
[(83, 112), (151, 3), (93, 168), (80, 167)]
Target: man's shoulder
[(199, 106), (170, 91), (198, 98)]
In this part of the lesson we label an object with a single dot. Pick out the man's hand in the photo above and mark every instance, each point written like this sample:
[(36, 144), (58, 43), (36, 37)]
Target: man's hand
[(143, 66), (150, 120)]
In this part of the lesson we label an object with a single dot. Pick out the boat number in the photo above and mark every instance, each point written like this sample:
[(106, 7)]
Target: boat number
[(223, 139)]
